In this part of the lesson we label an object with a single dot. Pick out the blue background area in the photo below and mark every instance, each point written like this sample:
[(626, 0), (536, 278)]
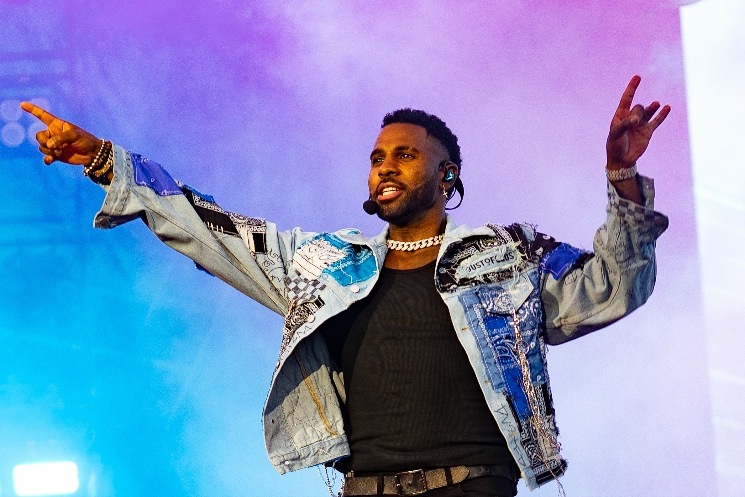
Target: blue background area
[(122, 357), (117, 354)]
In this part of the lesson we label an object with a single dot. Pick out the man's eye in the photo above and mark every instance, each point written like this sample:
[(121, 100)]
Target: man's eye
[(406, 156), (377, 160)]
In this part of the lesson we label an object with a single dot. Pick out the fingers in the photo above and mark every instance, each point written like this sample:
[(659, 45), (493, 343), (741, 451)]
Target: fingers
[(628, 94), (632, 119), (636, 115), (62, 139), (38, 112), (650, 110), (660, 117), (641, 115), (52, 145), (42, 137), (618, 129), (50, 155)]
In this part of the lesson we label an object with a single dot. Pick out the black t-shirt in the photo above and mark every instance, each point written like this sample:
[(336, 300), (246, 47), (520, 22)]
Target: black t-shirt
[(413, 400)]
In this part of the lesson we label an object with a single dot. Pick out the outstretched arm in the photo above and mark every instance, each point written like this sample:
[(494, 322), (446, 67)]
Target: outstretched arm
[(247, 253), (584, 291), (630, 132)]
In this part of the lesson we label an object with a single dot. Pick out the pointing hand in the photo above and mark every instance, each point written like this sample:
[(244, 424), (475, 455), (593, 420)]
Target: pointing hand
[(62, 140)]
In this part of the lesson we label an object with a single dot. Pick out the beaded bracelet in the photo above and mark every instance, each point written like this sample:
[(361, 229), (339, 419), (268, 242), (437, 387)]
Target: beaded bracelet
[(95, 162), (100, 176), (99, 168)]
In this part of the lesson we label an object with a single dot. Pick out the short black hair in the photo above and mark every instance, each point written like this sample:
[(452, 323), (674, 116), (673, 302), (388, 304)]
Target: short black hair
[(436, 128)]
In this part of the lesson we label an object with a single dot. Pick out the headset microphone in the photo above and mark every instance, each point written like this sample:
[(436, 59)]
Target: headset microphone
[(370, 206)]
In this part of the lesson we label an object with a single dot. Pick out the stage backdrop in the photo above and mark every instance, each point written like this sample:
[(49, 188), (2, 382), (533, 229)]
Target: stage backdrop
[(118, 355)]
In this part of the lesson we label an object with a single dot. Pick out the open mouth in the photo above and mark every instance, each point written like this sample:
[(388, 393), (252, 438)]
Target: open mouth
[(389, 192)]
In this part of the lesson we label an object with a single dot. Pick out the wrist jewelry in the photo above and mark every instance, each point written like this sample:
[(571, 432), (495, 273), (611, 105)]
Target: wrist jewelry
[(621, 174), (412, 246), (100, 176), (87, 169), (98, 170)]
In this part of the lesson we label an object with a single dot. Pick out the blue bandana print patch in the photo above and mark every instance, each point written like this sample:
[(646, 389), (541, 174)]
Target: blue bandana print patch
[(151, 174), (208, 198), (346, 263), (560, 260)]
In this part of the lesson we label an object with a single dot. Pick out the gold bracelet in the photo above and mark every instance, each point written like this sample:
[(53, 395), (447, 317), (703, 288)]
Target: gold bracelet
[(98, 170), (105, 169)]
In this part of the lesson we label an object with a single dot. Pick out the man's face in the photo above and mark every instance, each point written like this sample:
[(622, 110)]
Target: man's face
[(404, 176)]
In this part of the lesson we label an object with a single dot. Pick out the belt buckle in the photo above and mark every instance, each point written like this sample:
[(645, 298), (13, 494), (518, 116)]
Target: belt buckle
[(415, 482)]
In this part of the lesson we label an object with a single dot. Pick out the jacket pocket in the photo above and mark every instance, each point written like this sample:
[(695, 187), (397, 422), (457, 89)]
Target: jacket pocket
[(504, 297)]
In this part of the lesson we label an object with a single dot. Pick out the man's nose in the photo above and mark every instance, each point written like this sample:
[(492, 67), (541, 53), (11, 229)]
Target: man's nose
[(388, 167)]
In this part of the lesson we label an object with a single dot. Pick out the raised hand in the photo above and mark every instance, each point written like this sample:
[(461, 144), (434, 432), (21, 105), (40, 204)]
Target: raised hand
[(62, 140), (631, 128)]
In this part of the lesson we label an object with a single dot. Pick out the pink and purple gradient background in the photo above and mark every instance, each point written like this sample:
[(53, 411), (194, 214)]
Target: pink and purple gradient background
[(272, 108)]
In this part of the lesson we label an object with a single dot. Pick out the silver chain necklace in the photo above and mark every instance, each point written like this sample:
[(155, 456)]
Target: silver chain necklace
[(412, 246)]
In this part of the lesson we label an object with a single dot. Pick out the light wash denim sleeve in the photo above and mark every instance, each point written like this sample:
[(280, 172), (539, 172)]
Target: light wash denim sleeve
[(603, 287), (247, 253)]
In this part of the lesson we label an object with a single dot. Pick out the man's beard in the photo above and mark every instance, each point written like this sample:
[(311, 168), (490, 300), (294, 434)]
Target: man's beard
[(411, 203)]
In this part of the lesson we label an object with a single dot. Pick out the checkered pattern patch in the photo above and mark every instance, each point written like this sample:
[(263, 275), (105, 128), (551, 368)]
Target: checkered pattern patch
[(301, 289), (626, 208)]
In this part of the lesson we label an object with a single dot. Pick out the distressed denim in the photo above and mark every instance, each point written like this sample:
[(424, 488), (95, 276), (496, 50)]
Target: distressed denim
[(510, 292)]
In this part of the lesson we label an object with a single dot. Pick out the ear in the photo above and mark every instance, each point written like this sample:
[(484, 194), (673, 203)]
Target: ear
[(449, 172)]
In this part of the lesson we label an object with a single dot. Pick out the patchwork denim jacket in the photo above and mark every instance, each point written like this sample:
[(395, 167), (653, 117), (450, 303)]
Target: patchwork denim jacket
[(510, 292)]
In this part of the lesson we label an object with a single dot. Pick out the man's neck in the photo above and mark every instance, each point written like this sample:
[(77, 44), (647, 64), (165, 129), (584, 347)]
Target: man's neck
[(426, 228), (397, 259)]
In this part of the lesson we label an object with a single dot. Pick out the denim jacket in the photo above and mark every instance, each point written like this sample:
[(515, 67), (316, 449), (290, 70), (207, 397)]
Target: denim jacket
[(510, 292)]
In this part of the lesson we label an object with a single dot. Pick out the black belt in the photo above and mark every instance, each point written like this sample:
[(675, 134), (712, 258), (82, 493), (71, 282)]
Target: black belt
[(419, 481)]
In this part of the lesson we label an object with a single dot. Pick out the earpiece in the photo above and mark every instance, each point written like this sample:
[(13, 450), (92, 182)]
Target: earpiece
[(449, 176)]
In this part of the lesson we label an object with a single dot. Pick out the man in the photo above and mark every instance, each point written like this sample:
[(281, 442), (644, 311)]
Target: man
[(413, 361)]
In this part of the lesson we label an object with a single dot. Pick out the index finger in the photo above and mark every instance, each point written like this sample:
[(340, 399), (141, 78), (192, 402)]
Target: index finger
[(628, 94), (38, 112)]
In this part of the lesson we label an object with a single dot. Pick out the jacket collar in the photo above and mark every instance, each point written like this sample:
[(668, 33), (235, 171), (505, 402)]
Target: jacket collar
[(453, 234)]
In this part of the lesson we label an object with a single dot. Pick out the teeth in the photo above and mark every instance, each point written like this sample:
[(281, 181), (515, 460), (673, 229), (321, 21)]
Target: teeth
[(388, 190)]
